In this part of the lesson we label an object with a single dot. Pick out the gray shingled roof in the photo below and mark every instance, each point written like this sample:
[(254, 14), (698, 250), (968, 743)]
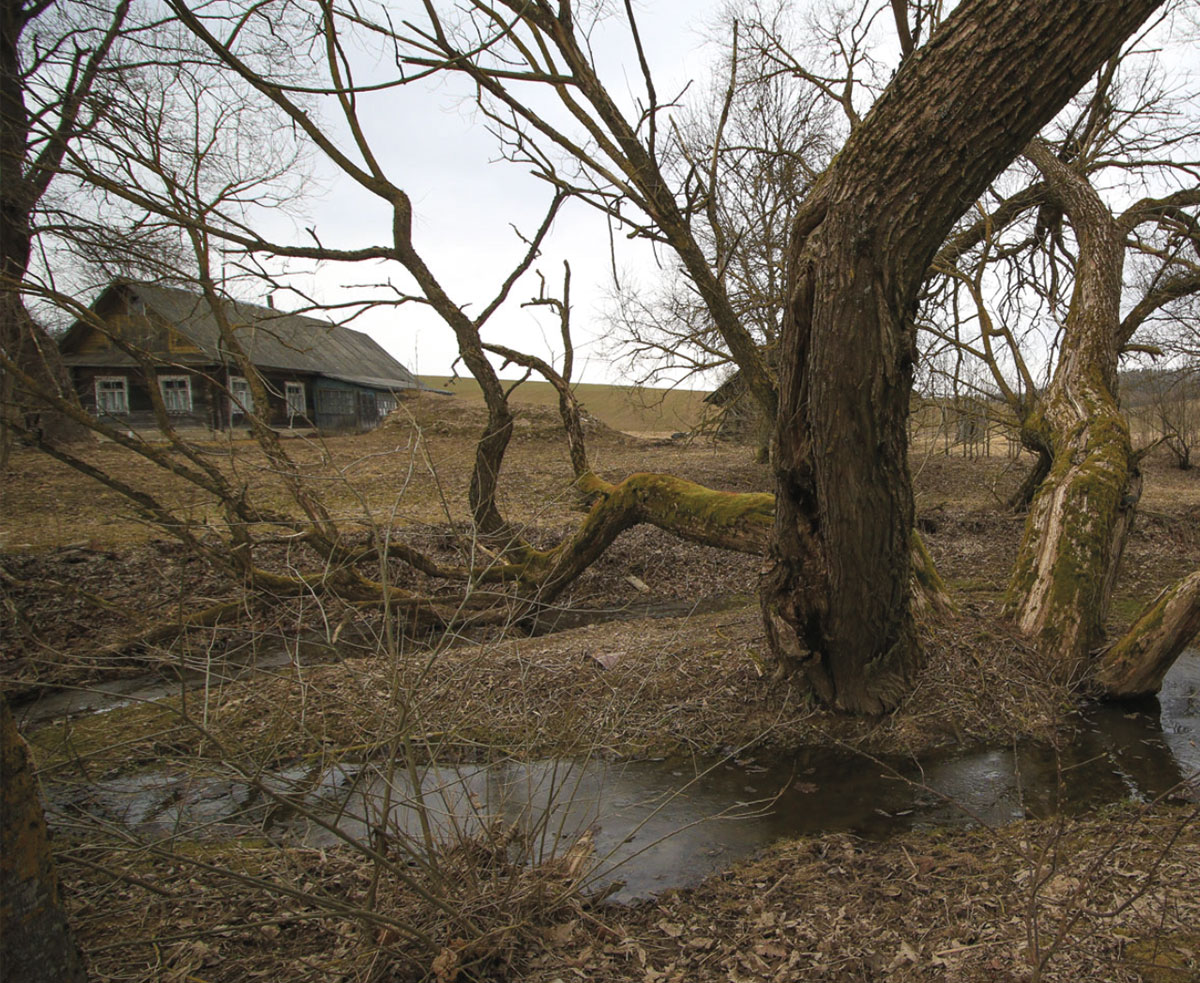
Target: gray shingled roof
[(277, 339)]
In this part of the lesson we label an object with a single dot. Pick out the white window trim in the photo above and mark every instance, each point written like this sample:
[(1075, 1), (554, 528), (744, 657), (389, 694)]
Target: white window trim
[(238, 406), (187, 381), (288, 389), (124, 390)]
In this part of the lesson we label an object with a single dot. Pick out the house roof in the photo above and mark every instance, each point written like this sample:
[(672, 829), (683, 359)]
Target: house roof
[(728, 391), (271, 338)]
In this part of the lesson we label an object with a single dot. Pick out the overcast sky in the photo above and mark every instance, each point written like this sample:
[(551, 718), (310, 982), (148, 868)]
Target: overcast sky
[(435, 146)]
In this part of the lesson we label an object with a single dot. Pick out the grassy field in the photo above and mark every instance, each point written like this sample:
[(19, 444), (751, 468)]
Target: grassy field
[(633, 409)]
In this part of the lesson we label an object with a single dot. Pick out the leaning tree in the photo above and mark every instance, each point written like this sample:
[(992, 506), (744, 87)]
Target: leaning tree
[(959, 110)]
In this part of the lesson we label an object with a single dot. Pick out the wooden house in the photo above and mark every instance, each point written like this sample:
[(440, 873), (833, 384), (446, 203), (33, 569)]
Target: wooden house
[(317, 374), (739, 417)]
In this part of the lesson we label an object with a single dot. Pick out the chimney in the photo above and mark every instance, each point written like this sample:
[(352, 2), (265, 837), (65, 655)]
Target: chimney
[(271, 300)]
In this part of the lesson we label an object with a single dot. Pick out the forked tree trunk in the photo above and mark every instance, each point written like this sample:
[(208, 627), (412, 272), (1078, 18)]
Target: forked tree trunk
[(835, 597), (1078, 523), (36, 945), (1020, 500)]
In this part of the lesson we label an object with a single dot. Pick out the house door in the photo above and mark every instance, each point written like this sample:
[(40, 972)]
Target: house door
[(368, 413), (296, 410)]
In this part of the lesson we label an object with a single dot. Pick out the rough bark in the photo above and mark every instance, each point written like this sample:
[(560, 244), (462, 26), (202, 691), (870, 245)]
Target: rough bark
[(1136, 663), (957, 113), (36, 945), (1081, 515), (740, 522), (24, 178)]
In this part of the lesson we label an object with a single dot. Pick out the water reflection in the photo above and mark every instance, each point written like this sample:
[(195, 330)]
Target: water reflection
[(658, 824), (670, 823)]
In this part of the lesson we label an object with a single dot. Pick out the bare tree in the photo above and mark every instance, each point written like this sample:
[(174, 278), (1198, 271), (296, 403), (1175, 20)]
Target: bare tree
[(837, 599), (53, 57), (762, 135), (1064, 250)]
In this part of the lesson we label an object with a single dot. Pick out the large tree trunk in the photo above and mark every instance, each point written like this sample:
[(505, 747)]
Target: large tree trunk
[(835, 595), (35, 940), (1080, 518), (22, 338)]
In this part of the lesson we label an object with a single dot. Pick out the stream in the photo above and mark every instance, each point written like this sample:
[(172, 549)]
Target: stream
[(669, 823)]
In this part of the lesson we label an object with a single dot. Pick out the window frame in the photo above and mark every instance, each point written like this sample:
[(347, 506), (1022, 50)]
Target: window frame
[(187, 391), (336, 402), (291, 388), (104, 410), (240, 403)]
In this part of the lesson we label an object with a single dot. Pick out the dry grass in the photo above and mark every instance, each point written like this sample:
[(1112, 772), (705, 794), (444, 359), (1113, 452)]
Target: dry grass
[(632, 409), (931, 905), (414, 469), (923, 906)]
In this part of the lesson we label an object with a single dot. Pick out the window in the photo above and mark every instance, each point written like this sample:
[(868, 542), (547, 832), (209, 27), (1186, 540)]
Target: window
[(112, 395), (335, 402), (176, 393), (240, 400), (294, 391)]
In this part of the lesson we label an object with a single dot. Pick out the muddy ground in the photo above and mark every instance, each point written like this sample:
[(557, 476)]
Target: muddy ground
[(1096, 897)]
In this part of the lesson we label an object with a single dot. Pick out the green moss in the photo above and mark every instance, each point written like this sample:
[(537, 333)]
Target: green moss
[(1092, 469), (1125, 609), (124, 736), (974, 585), (717, 509), (1166, 958)]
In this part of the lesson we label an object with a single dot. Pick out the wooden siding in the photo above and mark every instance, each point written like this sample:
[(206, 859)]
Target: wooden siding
[(211, 407), (329, 404)]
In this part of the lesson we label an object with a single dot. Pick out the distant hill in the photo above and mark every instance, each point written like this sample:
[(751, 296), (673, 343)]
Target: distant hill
[(633, 409), (1143, 386)]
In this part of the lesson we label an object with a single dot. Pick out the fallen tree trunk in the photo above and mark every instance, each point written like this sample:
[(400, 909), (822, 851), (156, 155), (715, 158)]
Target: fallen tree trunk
[(727, 520), (1137, 662)]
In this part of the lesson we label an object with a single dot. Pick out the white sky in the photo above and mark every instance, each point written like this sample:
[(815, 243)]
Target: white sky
[(432, 143), (434, 146)]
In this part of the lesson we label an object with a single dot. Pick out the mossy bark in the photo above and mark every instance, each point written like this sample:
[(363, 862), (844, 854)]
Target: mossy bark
[(929, 594), (836, 595), (36, 945), (1076, 528), (1137, 662), (726, 520)]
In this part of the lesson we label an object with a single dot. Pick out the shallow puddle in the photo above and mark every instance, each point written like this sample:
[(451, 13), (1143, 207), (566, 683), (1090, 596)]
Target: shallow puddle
[(660, 824)]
